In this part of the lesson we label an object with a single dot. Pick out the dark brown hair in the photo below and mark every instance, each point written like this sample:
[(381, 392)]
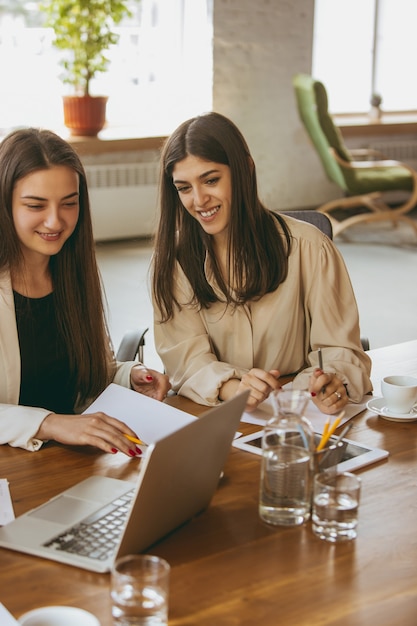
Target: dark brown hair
[(75, 276), (258, 253)]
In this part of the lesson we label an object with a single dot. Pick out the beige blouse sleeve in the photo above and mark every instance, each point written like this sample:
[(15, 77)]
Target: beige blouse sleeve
[(334, 321), (185, 349)]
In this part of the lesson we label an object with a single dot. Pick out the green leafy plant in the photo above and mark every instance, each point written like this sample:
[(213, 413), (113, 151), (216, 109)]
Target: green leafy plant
[(84, 28)]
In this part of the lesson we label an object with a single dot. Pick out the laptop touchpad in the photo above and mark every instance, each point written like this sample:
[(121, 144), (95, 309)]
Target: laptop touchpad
[(64, 510)]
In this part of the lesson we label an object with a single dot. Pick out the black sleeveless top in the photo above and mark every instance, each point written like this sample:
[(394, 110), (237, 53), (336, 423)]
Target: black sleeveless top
[(45, 374)]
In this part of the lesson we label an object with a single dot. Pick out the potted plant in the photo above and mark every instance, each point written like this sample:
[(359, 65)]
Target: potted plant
[(84, 30)]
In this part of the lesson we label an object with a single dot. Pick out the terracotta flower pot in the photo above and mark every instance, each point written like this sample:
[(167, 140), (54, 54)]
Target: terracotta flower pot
[(85, 115)]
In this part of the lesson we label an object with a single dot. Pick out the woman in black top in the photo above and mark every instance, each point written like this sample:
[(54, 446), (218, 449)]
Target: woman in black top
[(55, 350)]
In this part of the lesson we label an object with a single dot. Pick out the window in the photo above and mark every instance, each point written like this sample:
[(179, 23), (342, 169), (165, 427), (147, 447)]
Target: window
[(160, 71), (363, 47)]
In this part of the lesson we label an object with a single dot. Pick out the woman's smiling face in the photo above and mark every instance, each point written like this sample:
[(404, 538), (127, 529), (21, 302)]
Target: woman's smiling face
[(45, 207), (205, 190)]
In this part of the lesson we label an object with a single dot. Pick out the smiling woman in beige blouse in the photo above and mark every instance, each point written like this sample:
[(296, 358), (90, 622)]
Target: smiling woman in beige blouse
[(243, 295)]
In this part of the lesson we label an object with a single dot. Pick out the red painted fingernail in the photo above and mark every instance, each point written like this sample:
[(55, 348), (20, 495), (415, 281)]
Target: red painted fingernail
[(149, 377), (138, 450), (132, 453), (313, 393), (114, 450)]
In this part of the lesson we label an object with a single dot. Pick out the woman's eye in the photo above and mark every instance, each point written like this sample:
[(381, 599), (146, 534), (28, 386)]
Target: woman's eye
[(182, 189), (212, 181)]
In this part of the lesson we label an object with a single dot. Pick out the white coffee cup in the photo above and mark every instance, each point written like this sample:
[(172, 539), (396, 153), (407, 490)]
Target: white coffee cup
[(58, 616), (400, 393)]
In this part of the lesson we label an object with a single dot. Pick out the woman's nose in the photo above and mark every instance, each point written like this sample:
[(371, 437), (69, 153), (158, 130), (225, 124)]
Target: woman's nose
[(200, 196), (52, 218)]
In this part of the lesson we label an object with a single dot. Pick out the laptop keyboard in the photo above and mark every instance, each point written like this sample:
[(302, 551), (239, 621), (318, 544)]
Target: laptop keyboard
[(96, 536)]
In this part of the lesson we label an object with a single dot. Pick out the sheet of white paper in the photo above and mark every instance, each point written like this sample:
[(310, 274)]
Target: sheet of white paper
[(6, 506), (149, 419), (6, 619), (264, 412)]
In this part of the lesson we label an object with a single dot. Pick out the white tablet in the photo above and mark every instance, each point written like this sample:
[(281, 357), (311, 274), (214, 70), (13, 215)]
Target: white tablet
[(354, 456)]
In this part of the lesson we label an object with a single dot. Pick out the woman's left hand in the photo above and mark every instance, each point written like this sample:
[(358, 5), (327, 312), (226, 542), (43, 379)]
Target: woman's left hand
[(149, 382), (327, 392)]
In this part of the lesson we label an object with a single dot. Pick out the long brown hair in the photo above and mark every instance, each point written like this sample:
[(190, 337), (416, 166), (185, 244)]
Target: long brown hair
[(76, 281), (259, 252)]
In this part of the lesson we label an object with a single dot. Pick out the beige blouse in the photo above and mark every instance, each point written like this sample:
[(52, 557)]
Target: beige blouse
[(315, 306)]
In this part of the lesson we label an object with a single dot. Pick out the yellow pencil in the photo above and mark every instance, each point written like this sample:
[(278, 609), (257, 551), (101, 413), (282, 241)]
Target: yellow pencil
[(330, 432), (325, 430), (135, 440)]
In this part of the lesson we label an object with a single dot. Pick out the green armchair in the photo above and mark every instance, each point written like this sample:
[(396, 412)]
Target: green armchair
[(363, 175)]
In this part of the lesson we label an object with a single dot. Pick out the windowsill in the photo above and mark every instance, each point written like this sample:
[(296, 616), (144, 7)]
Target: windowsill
[(389, 124), (127, 139), (113, 140)]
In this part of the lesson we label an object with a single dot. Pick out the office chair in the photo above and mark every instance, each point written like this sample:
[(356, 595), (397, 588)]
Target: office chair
[(364, 182), (132, 345), (321, 221)]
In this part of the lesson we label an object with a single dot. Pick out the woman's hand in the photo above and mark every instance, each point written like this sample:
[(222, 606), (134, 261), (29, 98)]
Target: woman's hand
[(328, 392), (149, 382), (260, 384), (89, 429)]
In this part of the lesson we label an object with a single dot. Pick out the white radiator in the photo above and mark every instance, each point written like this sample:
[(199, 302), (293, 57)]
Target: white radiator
[(123, 199), (405, 150)]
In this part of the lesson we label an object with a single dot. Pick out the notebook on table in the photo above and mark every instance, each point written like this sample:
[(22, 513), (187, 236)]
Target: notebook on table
[(177, 480)]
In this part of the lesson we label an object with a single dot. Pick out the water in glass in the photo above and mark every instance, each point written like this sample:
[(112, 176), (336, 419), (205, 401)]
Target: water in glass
[(284, 497), (335, 517), (145, 607), (286, 467), (335, 505)]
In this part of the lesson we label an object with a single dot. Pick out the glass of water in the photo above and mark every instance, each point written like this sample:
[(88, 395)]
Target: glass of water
[(139, 591), (335, 506)]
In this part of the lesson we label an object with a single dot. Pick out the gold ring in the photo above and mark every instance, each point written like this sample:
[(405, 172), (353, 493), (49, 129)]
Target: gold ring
[(339, 395)]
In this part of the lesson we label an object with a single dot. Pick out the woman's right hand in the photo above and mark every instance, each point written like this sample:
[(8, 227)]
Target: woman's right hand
[(260, 384), (89, 429)]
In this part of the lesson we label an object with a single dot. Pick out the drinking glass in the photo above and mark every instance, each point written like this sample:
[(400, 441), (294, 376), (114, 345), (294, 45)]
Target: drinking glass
[(335, 506), (139, 591)]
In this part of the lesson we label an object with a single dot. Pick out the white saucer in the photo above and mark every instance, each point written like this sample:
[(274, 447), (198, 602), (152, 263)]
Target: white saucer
[(377, 405)]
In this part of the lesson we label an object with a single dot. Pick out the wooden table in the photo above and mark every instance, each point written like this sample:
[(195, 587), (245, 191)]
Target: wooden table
[(228, 568)]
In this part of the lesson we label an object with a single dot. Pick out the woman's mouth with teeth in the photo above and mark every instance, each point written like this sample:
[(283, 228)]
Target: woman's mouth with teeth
[(210, 213), (48, 235)]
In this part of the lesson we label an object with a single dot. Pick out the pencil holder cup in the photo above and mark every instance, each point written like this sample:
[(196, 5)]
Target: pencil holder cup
[(326, 460)]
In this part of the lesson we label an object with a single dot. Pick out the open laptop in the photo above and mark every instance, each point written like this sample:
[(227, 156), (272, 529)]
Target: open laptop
[(177, 479)]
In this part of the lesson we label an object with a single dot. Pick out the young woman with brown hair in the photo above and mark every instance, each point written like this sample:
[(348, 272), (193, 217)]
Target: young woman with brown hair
[(55, 350), (241, 294)]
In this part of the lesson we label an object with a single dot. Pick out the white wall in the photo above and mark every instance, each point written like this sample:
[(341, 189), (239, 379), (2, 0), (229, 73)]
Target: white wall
[(258, 47)]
